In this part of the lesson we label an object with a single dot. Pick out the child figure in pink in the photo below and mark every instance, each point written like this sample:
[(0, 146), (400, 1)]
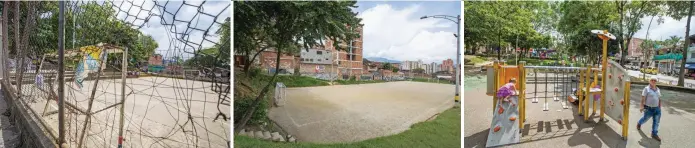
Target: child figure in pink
[(507, 90)]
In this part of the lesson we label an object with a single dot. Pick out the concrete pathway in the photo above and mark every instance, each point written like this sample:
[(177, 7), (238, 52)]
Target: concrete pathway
[(350, 113), (10, 137), (563, 128), (689, 83)]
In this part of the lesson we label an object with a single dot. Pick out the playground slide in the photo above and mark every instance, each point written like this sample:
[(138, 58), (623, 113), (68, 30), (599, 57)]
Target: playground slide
[(504, 130)]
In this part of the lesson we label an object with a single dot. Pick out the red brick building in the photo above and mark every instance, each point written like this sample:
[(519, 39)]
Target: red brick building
[(268, 59), (322, 60), (447, 65), (155, 59)]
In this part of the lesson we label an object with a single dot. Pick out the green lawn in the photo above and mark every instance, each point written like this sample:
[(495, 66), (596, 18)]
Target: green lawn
[(432, 80), (300, 81), (349, 82), (304, 81), (442, 132)]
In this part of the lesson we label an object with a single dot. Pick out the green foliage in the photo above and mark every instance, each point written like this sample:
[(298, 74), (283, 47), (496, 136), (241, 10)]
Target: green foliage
[(395, 69), (243, 104), (300, 81), (444, 131), (255, 71), (387, 66), (351, 82), (516, 24), (216, 56), (289, 26), (245, 91), (419, 70), (95, 24)]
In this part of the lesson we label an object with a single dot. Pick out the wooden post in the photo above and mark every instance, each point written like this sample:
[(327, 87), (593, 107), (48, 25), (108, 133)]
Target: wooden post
[(522, 94), (580, 93), (604, 61), (497, 69), (626, 109)]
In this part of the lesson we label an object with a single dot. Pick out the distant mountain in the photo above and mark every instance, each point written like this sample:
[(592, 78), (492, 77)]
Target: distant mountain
[(380, 59)]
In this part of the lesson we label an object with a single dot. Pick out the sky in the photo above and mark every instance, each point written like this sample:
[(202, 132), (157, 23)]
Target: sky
[(166, 35), (663, 31), (394, 30)]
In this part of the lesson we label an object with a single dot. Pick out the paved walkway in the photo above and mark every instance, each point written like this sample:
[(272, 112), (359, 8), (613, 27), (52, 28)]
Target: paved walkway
[(562, 128), (9, 136), (350, 113), (689, 83)]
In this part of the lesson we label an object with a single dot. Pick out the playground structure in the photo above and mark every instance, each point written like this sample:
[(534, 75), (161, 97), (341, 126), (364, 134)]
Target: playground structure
[(570, 84)]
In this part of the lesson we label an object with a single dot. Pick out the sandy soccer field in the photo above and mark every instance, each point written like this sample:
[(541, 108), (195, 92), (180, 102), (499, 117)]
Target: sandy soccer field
[(349, 113), (156, 113)]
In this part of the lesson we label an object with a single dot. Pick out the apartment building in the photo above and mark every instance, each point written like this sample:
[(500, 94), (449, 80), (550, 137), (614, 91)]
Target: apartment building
[(447, 65), (344, 63)]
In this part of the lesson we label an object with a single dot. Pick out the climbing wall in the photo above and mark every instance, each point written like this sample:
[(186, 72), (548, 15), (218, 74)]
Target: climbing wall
[(504, 130), (615, 90)]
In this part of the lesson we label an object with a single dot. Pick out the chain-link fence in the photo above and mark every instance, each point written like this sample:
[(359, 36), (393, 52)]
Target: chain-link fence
[(135, 73)]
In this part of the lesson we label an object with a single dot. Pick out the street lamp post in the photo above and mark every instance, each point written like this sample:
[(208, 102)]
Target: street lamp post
[(457, 20)]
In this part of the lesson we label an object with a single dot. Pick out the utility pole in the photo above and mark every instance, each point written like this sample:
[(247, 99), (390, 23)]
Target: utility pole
[(457, 66), (61, 73)]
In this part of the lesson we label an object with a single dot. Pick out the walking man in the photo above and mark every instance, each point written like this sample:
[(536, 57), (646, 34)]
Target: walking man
[(651, 102)]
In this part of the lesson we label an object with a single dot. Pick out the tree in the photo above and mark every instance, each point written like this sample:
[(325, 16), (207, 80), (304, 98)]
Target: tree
[(216, 56), (395, 69), (419, 70), (287, 26), (678, 10), (578, 18), (630, 14), (387, 66)]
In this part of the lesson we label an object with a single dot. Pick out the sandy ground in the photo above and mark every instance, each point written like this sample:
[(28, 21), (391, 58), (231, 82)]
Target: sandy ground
[(349, 113), (156, 113), (563, 128)]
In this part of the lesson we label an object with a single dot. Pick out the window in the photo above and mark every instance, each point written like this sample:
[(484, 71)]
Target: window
[(312, 60), (319, 52), (318, 60), (692, 55)]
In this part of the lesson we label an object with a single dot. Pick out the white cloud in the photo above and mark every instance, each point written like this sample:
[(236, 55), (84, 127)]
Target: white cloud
[(400, 34), (163, 34), (663, 31)]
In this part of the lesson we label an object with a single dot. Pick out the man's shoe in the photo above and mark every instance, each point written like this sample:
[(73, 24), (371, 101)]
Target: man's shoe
[(639, 127), (656, 137)]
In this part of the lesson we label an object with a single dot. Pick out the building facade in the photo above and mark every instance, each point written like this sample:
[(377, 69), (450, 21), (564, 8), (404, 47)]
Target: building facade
[(448, 65), (343, 63)]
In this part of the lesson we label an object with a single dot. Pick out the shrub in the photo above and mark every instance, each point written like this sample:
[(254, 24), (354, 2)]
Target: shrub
[(255, 71), (241, 105)]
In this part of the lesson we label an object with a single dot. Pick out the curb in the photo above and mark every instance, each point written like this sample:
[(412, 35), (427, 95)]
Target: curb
[(667, 87)]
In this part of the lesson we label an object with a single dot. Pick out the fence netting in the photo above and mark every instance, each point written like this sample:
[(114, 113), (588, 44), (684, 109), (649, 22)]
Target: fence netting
[(176, 59)]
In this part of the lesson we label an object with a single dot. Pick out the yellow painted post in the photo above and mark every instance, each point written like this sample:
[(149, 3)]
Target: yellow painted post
[(593, 101), (604, 61), (587, 95), (626, 109), (522, 94), (580, 95), (496, 67)]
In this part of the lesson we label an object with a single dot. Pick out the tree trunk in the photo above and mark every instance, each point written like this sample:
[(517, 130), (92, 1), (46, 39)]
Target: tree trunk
[(681, 76), (621, 42), (626, 48), (242, 124)]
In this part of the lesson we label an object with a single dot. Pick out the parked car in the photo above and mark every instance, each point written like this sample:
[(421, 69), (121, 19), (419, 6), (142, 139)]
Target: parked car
[(649, 70)]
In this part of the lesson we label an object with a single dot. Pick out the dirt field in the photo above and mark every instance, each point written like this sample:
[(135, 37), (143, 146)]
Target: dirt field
[(349, 113), (156, 113)]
